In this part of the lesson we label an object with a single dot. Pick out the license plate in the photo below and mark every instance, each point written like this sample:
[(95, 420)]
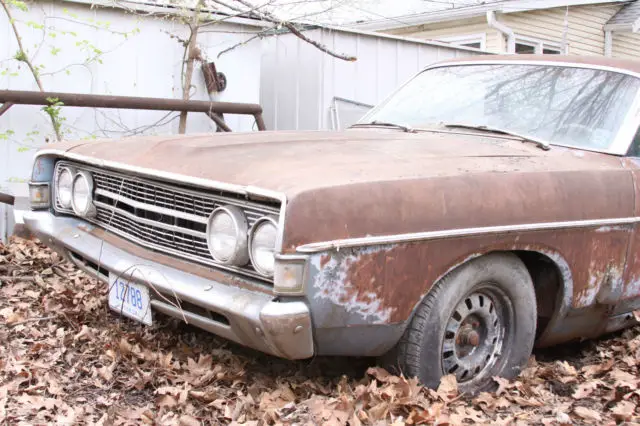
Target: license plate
[(129, 299)]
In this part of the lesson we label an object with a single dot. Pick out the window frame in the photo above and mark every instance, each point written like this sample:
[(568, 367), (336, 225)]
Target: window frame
[(539, 44), (463, 40)]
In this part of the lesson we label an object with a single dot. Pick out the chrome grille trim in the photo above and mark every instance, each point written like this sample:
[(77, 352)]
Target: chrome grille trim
[(148, 222), (127, 206), (150, 207)]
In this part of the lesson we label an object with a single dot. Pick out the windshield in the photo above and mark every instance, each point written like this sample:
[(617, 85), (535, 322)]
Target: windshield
[(578, 107)]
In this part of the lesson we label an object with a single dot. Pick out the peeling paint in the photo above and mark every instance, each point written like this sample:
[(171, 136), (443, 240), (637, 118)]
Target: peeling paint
[(334, 284), (612, 228), (384, 284), (632, 288), (587, 295)]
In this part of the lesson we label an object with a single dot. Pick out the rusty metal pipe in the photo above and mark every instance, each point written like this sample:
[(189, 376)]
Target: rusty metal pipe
[(219, 121), (6, 199), (259, 121), (127, 102), (5, 107)]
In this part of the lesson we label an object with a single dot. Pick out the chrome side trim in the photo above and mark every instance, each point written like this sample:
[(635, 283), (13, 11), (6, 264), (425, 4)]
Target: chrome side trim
[(292, 257), (178, 178), (461, 232)]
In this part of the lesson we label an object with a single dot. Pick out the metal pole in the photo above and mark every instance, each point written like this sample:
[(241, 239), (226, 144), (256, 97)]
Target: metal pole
[(126, 102), (6, 199), (260, 121), (219, 121), (5, 107)]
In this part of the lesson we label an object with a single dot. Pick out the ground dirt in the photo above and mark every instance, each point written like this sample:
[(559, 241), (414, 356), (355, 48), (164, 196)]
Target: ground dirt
[(65, 359)]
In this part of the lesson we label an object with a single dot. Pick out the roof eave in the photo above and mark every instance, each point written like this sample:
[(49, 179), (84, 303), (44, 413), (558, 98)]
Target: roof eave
[(624, 28), (618, 27), (447, 15)]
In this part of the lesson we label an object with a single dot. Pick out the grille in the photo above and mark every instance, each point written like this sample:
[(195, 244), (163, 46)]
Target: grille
[(164, 217)]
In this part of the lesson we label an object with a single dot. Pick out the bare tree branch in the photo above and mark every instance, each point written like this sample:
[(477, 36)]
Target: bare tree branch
[(22, 56), (242, 43), (269, 17)]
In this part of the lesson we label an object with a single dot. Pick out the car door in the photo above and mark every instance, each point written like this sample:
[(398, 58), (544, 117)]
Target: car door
[(629, 295)]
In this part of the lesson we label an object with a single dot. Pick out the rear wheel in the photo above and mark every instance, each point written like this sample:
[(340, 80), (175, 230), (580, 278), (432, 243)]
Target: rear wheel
[(477, 322)]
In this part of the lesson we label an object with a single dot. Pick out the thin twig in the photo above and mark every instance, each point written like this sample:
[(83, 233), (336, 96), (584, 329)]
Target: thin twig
[(32, 320), (23, 278), (242, 43), (267, 16), (24, 58)]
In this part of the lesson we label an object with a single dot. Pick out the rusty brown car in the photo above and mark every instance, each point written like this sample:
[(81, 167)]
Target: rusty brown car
[(487, 206)]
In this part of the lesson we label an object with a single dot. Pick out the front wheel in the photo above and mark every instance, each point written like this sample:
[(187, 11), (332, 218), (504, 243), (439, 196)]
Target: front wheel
[(477, 322)]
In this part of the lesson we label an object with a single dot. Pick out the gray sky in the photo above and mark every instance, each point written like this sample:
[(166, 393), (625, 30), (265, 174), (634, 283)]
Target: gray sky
[(335, 11), (346, 11)]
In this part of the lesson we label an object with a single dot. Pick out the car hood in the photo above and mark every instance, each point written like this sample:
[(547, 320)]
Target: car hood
[(379, 182), (295, 162)]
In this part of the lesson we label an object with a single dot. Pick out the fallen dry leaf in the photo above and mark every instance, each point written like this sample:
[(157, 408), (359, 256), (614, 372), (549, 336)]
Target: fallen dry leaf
[(85, 365), (448, 387), (587, 414)]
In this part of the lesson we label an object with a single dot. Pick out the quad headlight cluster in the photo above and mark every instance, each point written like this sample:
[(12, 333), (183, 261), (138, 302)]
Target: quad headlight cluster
[(232, 242), (74, 190)]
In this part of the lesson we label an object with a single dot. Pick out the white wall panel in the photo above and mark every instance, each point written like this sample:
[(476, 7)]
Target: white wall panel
[(146, 64), (299, 82)]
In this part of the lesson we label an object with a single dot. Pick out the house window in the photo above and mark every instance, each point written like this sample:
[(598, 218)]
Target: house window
[(526, 45), (525, 48), (478, 41)]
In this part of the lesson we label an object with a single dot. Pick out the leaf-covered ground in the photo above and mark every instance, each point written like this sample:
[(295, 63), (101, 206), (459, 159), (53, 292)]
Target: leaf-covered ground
[(65, 359)]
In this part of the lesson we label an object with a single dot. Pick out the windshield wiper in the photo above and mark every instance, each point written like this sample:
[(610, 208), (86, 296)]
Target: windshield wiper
[(540, 143), (406, 129)]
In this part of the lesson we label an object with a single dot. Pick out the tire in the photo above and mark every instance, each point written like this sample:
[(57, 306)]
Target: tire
[(477, 322)]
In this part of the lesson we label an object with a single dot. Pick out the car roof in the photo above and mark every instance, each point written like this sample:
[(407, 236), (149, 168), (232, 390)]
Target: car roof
[(625, 65)]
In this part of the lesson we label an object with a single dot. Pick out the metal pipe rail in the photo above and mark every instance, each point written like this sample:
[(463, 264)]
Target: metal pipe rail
[(20, 97), (6, 199)]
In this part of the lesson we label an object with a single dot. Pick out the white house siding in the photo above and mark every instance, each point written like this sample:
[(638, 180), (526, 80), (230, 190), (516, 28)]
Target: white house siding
[(461, 27), (585, 34), (626, 45), (147, 64), (300, 83)]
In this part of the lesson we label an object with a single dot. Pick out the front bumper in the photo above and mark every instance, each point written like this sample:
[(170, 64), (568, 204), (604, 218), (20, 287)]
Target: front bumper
[(251, 318)]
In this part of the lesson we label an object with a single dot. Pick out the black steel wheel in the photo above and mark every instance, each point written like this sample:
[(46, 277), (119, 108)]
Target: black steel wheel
[(475, 333), (477, 322)]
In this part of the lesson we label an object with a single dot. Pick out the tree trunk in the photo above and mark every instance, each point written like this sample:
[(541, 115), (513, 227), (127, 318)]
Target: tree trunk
[(192, 55)]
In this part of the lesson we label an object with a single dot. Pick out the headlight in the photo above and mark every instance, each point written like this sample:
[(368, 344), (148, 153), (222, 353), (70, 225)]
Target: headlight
[(82, 193), (64, 188), (262, 245), (227, 236)]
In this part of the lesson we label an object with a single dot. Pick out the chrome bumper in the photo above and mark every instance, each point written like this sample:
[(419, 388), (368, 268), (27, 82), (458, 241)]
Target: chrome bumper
[(244, 316)]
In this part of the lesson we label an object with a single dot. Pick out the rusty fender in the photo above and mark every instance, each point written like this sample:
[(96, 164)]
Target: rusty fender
[(373, 291)]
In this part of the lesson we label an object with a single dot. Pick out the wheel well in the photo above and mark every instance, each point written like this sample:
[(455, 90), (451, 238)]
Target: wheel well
[(547, 282)]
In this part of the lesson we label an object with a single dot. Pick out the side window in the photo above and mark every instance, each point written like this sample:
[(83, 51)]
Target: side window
[(634, 149)]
